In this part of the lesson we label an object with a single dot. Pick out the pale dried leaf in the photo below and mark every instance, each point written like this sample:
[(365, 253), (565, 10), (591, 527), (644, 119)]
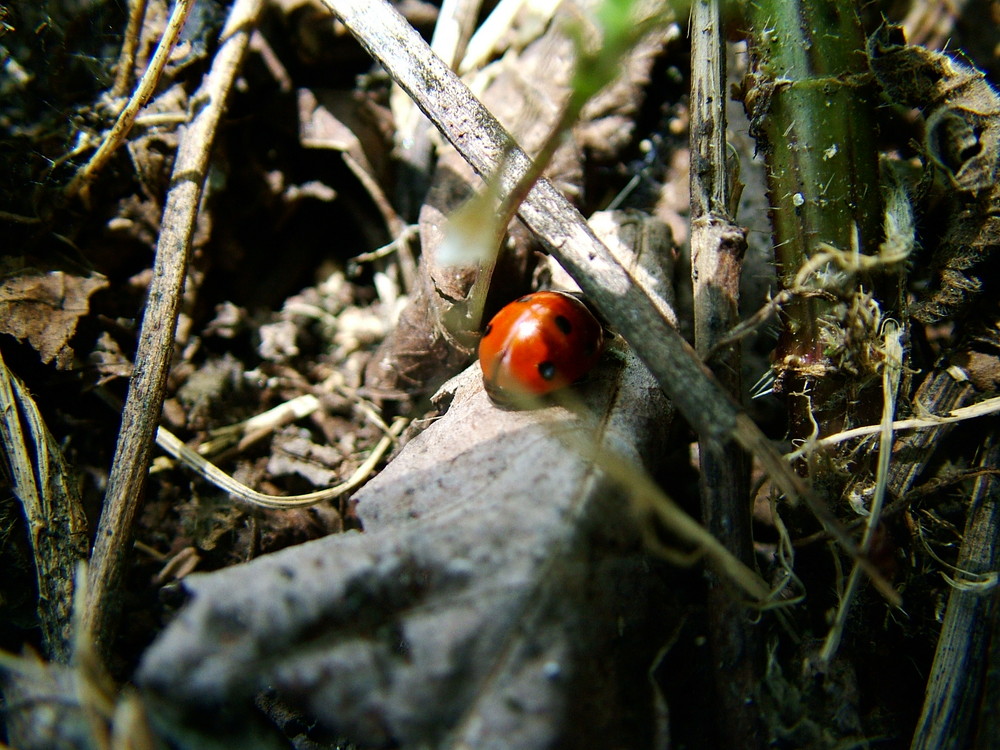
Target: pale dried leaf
[(51, 717), (500, 598)]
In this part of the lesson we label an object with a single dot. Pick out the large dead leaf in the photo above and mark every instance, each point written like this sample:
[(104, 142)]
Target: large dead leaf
[(501, 596)]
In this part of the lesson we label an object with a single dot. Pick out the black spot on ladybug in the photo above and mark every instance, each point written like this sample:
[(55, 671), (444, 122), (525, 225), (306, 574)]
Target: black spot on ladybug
[(547, 369), (489, 327), (563, 324)]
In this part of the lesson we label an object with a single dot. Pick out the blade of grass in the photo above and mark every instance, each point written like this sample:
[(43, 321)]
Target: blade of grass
[(50, 497)]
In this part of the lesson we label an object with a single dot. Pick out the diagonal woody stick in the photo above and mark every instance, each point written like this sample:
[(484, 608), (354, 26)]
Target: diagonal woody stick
[(156, 339), (626, 300)]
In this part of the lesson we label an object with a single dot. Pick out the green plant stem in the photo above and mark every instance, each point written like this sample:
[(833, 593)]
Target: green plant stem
[(809, 100)]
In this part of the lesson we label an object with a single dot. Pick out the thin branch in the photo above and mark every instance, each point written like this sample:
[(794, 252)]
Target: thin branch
[(126, 60), (717, 250)]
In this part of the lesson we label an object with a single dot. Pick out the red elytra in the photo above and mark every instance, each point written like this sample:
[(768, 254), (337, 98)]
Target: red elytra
[(537, 344)]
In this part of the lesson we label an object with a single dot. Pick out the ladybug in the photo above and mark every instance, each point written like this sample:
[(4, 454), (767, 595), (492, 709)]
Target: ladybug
[(538, 344)]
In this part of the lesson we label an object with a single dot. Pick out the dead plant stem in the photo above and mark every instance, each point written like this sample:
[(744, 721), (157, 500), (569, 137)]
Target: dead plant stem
[(957, 703), (172, 445), (156, 339), (717, 250)]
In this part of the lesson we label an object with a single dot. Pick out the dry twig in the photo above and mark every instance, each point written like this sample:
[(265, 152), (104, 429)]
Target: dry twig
[(717, 250)]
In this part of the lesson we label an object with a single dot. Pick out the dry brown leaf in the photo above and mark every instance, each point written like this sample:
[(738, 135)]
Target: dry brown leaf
[(108, 359), (44, 308), (962, 139)]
